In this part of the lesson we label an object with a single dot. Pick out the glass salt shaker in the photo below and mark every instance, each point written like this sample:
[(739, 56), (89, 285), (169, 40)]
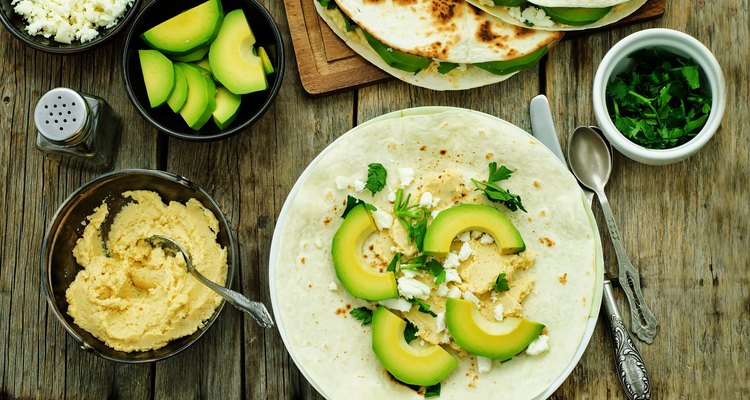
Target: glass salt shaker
[(78, 126)]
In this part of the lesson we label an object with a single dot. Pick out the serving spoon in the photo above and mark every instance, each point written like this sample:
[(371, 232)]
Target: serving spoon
[(257, 310), (591, 163)]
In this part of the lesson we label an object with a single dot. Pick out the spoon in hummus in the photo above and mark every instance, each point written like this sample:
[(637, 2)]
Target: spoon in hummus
[(257, 310), (591, 162)]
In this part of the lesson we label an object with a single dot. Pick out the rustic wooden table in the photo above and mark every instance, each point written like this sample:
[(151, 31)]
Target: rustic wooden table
[(685, 225)]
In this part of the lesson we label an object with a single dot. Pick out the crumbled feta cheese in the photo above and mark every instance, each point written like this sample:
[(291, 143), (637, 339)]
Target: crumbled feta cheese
[(451, 261), (532, 15), (451, 275), (411, 288), (67, 20), (333, 286), (435, 213), (383, 220), (406, 175), (409, 273), (342, 183), (358, 185), (454, 292), (442, 290), (394, 249), (426, 200), (486, 239), (476, 234), (435, 202), (398, 304), (538, 346), (465, 252), (484, 364), (392, 196), (440, 322), (471, 297), (318, 243), (465, 237), (499, 312)]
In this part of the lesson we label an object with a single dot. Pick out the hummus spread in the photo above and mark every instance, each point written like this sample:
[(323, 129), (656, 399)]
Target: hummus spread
[(138, 298), (477, 271)]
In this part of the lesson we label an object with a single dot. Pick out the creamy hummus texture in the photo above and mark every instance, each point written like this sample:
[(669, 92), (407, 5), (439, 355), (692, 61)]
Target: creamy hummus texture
[(138, 298)]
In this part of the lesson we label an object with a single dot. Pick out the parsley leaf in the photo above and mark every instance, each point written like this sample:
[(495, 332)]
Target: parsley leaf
[(432, 391), (352, 202), (394, 262), (423, 307), (446, 67), (436, 270), (662, 102), (496, 193), (410, 332), (376, 175), (412, 217), (363, 314), (501, 284)]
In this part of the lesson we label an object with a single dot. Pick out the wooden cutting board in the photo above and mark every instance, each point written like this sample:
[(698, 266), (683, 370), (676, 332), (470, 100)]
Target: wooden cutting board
[(327, 65)]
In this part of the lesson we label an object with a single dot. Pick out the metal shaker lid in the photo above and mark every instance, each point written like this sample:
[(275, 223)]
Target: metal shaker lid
[(61, 115)]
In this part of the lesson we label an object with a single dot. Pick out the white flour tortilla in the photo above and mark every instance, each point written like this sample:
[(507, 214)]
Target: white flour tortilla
[(619, 11), (334, 351)]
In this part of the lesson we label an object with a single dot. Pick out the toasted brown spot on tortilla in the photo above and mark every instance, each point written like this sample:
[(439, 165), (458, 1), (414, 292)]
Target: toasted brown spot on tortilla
[(341, 311), (563, 278), (445, 11), (521, 32), (348, 306), (547, 241), (302, 260), (423, 148), (489, 156), (405, 2), (542, 213), (309, 285), (536, 184), (529, 219), (326, 220), (442, 152), (372, 247)]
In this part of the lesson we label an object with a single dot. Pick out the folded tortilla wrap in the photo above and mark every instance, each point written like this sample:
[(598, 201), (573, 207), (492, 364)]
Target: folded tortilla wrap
[(333, 350)]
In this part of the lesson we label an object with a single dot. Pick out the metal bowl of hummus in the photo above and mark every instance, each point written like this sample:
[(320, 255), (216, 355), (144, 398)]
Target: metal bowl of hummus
[(116, 295)]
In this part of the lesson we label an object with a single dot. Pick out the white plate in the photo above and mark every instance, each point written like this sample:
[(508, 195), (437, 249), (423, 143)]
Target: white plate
[(275, 252)]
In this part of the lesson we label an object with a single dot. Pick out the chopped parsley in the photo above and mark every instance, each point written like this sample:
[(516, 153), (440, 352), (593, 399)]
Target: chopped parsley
[(423, 307), (496, 193), (376, 175), (352, 202), (394, 262), (412, 217), (410, 332), (662, 102), (432, 391), (501, 284), (363, 314), (436, 270)]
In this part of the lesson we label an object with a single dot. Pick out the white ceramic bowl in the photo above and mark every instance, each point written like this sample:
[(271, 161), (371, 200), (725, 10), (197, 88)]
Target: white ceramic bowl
[(616, 61)]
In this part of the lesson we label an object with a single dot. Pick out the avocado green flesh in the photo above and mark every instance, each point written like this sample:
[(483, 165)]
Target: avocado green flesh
[(227, 105), (267, 65), (188, 30), (359, 279), (200, 101), (397, 59), (180, 92), (453, 221), (477, 335), (517, 64), (233, 63), (194, 55), (414, 366), (576, 16), (158, 76), (204, 64)]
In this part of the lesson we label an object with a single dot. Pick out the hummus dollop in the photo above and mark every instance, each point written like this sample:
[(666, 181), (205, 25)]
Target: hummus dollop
[(138, 298)]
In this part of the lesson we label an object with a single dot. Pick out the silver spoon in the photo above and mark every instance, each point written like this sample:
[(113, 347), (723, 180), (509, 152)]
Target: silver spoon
[(591, 163), (256, 310)]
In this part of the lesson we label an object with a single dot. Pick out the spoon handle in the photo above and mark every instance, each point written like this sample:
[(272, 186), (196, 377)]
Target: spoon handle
[(255, 309), (643, 322), (630, 368)]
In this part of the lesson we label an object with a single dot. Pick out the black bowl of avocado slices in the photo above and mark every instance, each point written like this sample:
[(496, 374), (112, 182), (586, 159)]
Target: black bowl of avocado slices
[(203, 70)]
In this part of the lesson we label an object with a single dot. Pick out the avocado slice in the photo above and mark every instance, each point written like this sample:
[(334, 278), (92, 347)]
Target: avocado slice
[(233, 61), (397, 59), (359, 279), (158, 75), (227, 105), (267, 65), (204, 64), (510, 3), (200, 103), (193, 55), (188, 30), (576, 16), (453, 221), (180, 92), (516, 64), (477, 335), (412, 365)]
